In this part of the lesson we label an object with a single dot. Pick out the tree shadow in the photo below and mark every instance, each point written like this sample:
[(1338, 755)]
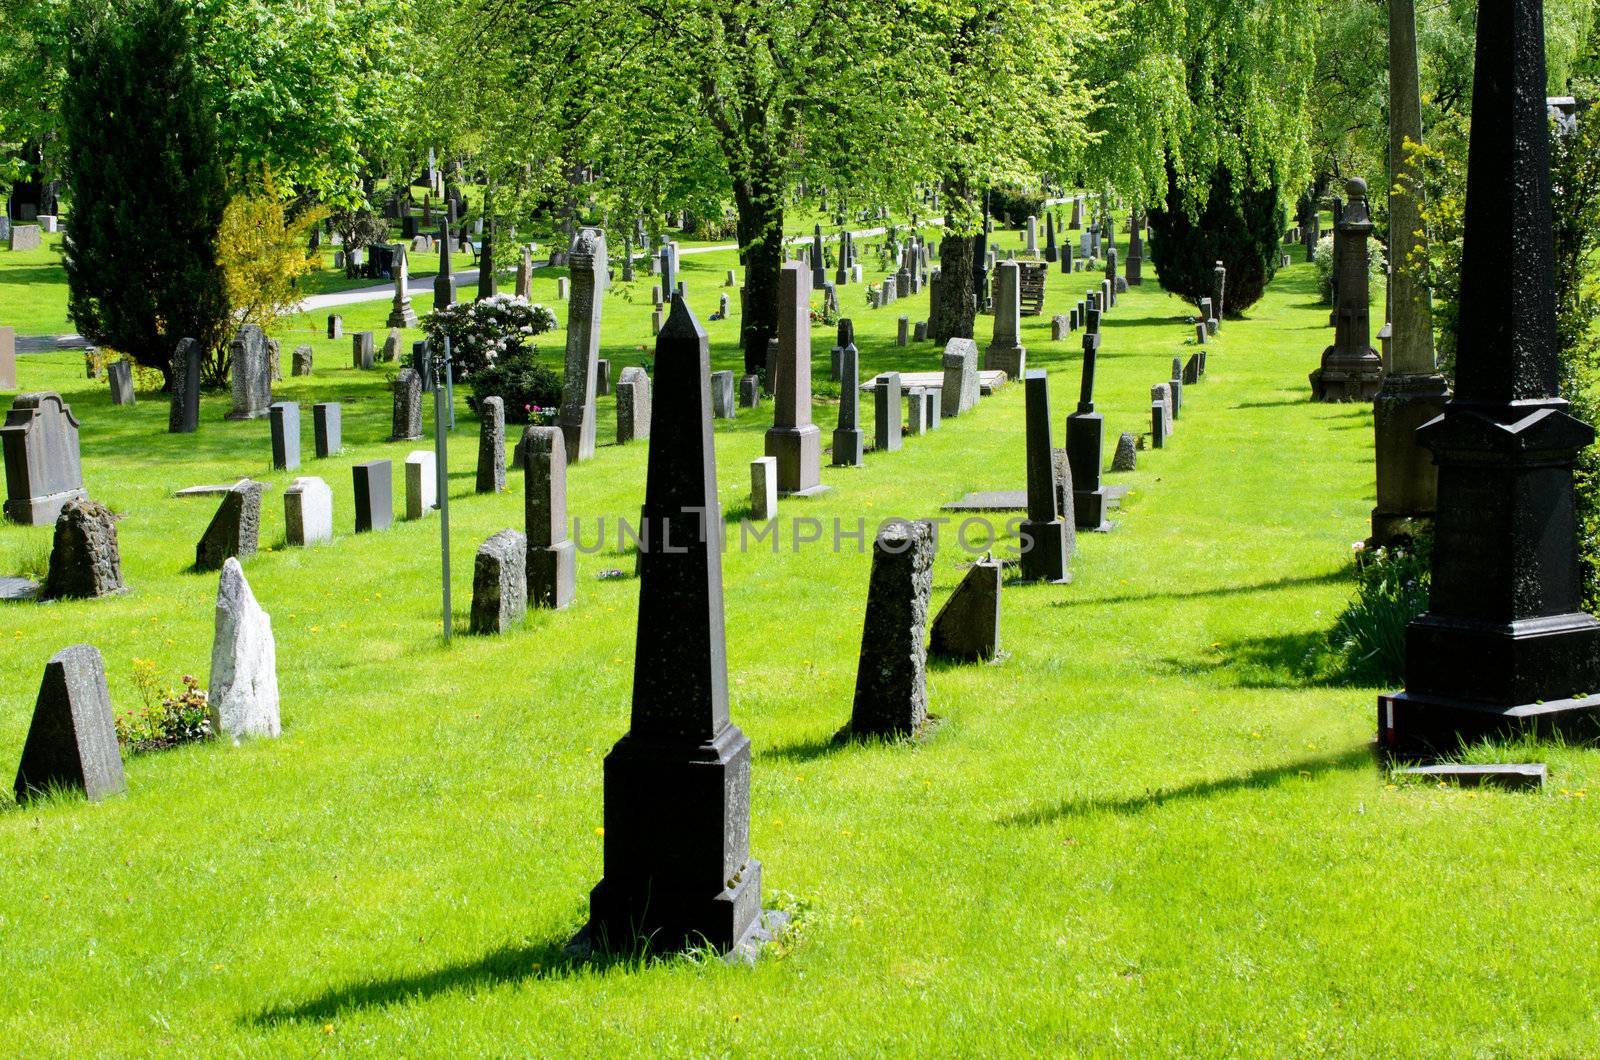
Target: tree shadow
[(1286, 660), (501, 966), (1326, 578), (1256, 780)]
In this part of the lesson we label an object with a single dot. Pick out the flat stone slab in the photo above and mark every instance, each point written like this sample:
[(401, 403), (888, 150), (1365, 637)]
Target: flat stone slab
[(1016, 500), (215, 491), (12, 589), (1527, 776)]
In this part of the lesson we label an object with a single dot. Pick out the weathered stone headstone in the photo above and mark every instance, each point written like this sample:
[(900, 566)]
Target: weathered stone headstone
[(121, 375), (916, 421), (960, 391), (764, 488), (903, 331), (361, 353), (886, 407), (243, 692), (184, 415), (285, 420), (1048, 553), (391, 347), (552, 559), (327, 428), (234, 532), (590, 274), (1162, 392), (72, 740), (491, 445), (500, 583), (335, 326), (678, 869), (302, 360), (84, 559), (1126, 457), (422, 483), (407, 406), (891, 698), (308, 511), (793, 439), (8, 357), (374, 488), (252, 374), (1351, 369), (722, 406), (43, 469), (1006, 353), (968, 625), (849, 443), (633, 405)]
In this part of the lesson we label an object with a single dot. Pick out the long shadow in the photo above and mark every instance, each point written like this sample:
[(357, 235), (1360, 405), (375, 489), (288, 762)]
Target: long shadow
[(1273, 404), (1286, 660), (507, 964), (1148, 800), (1223, 590), (804, 750), (31, 274)]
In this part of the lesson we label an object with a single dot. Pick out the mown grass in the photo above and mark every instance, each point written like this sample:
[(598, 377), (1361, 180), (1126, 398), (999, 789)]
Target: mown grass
[(1146, 831)]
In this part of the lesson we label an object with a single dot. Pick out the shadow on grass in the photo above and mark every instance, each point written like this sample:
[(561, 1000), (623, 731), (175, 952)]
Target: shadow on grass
[(1287, 660), (1327, 578), (1255, 780), (505, 965)]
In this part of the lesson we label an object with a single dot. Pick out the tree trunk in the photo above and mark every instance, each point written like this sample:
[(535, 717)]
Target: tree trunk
[(759, 200), (957, 276)]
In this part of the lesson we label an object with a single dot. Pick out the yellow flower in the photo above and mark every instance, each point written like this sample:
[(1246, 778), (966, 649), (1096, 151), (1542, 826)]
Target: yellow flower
[(600, 831)]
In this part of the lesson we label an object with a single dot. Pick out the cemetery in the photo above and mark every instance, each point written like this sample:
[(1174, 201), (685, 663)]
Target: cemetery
[(810, 560)]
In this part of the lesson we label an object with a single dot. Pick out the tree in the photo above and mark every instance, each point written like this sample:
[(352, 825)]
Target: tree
[(148, 188), (1238, 227), (262, 253)]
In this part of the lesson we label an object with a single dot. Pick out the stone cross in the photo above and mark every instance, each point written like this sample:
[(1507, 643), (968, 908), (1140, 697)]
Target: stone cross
[(678, 869), (590, 277)]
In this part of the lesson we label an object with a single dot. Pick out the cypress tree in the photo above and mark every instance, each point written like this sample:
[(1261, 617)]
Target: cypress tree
[(147, 186), (1238, 226)]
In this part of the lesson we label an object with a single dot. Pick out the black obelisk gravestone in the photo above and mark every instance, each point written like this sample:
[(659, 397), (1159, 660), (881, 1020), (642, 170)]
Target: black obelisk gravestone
[(1503, 647), (1086, 440), (678, 869), (1045, 553)]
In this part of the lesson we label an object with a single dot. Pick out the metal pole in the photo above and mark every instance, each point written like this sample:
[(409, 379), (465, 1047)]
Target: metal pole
[(441, 468)]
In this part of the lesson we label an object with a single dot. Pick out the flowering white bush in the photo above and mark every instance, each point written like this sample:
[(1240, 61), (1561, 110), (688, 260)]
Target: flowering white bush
[(482, 333)]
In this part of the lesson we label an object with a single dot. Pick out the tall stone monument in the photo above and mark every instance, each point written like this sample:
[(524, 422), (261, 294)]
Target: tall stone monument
[(552, 562), (1413, 390), (678, 869), (252, 374), (1504, 647), (793, 440), (1086, 441), (590, 274), (401, 315), (1005, 352), (1047, 550), (1351, 369), (43, 467), (1133, 268), (444, 284), (849, 442)]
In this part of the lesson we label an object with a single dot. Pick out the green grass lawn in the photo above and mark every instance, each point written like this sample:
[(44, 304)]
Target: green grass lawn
[(1144, 832)]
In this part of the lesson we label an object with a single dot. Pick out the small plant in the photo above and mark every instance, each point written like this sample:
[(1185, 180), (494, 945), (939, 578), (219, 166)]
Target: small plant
[(166, 718), (523, 383), (1391, 590), (484, 333)]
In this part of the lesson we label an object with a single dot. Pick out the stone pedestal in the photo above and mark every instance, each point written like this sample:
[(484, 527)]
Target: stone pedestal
[(793, 440), (1408, 481), (1351, 369)]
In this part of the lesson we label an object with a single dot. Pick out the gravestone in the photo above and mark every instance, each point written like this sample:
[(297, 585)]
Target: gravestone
[(1133, 269), (361, 350), (749, 392), (422, 483), (678, 869), (793, 439), (1162, 392), (891, 697), (121, 375), (374, 489), (302, 360), (285, 417), (931, 407), (491, 445), (25, 237), (183, 417), (1351, 369), (1049, 552), (551, 557), (1006, 353), (1086, 442), (8, 357), (335, 326), (72, 740), (886, 407), (903, 331), (391, 347), (1219, 288), (916, 421), (84, 559), (525, 273), (327, 428), (1158, 424), (764, 488), (1050, 251), (968, 625), (235, 530), (1191, 370), (308, 512), (633, 405), (1175, 388), (722, 406), (252, 374), (960, 391), (43, 469), (849, 442), (602, 378), (407, 406), (243, 693), (1126, 457), (500, 583), (401, 315), (444, 281)]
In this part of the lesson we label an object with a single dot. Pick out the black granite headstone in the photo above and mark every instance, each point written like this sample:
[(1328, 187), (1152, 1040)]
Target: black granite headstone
[(374, 487), (72, 742), (327, 428)]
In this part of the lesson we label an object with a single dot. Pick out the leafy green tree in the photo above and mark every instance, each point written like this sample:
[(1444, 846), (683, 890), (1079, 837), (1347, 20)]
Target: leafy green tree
[(148, 186)]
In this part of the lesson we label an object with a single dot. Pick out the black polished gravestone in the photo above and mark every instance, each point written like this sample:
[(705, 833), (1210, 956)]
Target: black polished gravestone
[(1047, 541), (184, 415), (1086, 442), (1503, 648), (327, 428), (72, 742), (678, 870), (374, 487)]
